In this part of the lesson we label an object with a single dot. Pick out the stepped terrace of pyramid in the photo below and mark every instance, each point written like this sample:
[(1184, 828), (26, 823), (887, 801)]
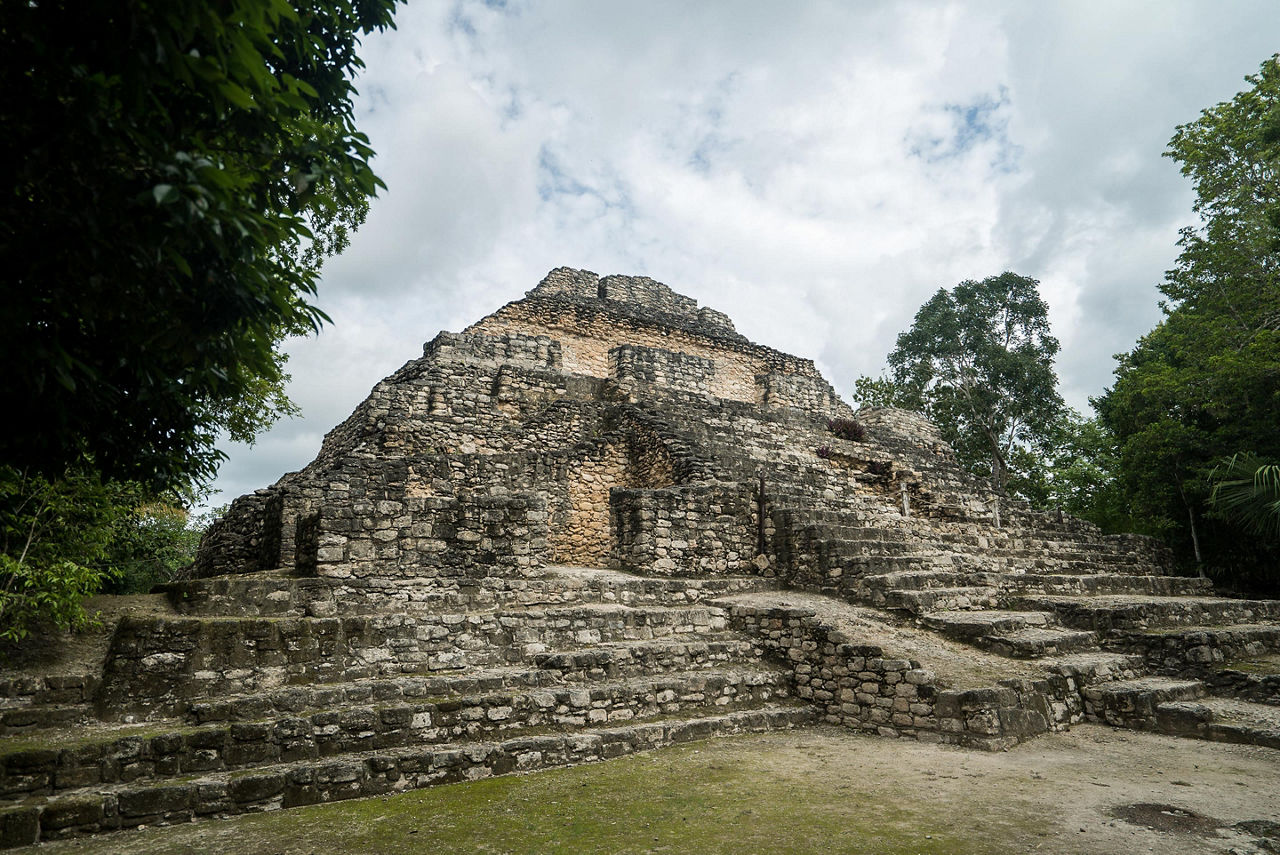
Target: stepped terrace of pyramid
[(600, 521)]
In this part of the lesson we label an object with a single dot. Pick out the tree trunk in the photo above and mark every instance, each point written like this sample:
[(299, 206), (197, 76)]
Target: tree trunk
[(1195, 535), (1195, 540)]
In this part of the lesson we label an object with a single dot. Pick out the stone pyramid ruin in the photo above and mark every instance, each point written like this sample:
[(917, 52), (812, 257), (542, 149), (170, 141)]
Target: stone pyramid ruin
[(600, 521)]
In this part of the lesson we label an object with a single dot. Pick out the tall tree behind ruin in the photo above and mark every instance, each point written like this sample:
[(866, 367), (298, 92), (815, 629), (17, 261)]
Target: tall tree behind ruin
[(1204, 385), (978, 360)]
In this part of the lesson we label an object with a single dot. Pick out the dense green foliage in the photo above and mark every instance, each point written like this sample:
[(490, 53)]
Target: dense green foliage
[(65, 538), (1246, 491), (978, 360), (177, 172), (1204, 385)]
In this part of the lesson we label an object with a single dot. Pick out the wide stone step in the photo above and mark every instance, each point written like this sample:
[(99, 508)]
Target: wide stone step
[(1132, 703), (1221, 720), (634, 658), (1199, 649), (75, 687), (1112, 612), (1093, 667), (1253, 678), (126, 805), (942, 599), (158, 666), (1104, 583), (607, 661), (971, 626), (1036, 642), (86, 757), (914, 580), (31, 717), (276, 595)]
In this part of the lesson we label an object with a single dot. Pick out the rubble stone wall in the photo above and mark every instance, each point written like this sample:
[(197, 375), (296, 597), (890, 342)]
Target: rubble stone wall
[(665, 367), (434, 536), (686, 530), (861, 687), (245, 540)]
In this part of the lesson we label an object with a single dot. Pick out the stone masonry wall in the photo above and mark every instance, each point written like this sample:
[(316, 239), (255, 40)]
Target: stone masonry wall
[(800, 392), (591, 316), (664, 367), (686, 530), (433, 536), (581, 535), (245, 540), (861, 687)]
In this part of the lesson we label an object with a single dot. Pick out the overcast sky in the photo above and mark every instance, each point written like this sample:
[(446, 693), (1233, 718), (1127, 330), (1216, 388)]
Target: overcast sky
[(815, 169)]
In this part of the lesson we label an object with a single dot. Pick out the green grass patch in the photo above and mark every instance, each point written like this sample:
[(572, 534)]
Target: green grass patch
[(746, 794)]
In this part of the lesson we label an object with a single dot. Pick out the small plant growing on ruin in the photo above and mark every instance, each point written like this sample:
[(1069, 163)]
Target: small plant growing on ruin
[(847, 429), (825, 452), (879, 467)]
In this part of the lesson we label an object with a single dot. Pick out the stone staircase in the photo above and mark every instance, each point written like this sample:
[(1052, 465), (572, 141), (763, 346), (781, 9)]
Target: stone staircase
[(1179, 641), (204, 712)]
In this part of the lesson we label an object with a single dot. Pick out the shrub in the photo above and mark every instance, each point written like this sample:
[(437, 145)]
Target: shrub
[(847, 429), (825, 452), (879, 467)]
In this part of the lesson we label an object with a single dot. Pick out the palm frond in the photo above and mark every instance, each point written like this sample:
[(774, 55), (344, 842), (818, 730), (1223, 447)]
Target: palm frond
[(1246, 490)]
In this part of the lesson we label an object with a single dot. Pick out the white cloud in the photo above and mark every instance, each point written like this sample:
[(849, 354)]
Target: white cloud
[(817, 169)]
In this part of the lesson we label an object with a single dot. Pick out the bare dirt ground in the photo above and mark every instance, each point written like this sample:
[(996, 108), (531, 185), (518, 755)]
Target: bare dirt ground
[(1090, 791)]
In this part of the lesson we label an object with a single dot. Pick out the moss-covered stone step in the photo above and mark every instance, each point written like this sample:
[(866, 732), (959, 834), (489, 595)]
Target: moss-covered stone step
[(1196, 650), (126, 805), (1094, 667), (1102, 583), (85, 757), (1038, 642), (1252, 677), (32, 717), (578, 666), (66, 688), (974, 625), (942, 599)]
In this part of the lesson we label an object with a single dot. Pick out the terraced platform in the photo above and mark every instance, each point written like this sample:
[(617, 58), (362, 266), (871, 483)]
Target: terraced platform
[(618, 664)]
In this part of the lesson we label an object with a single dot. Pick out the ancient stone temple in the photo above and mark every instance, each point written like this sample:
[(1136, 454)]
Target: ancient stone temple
[(600, 521)]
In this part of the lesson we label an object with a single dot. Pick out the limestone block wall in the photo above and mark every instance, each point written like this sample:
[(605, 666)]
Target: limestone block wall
[(801, 392), (862, 687), (245, 540), (646, 292), (580, 533), (432, 536), (588, 328), (667, 368), (525, 351), (686, 530)]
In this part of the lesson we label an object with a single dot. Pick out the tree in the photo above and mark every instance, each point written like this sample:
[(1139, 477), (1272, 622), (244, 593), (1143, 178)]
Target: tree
[(1204, 385), (978, 360), (178, 170), (53, 537)]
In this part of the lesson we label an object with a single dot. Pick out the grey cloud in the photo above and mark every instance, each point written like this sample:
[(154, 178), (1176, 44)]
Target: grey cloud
[(759, 156)]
